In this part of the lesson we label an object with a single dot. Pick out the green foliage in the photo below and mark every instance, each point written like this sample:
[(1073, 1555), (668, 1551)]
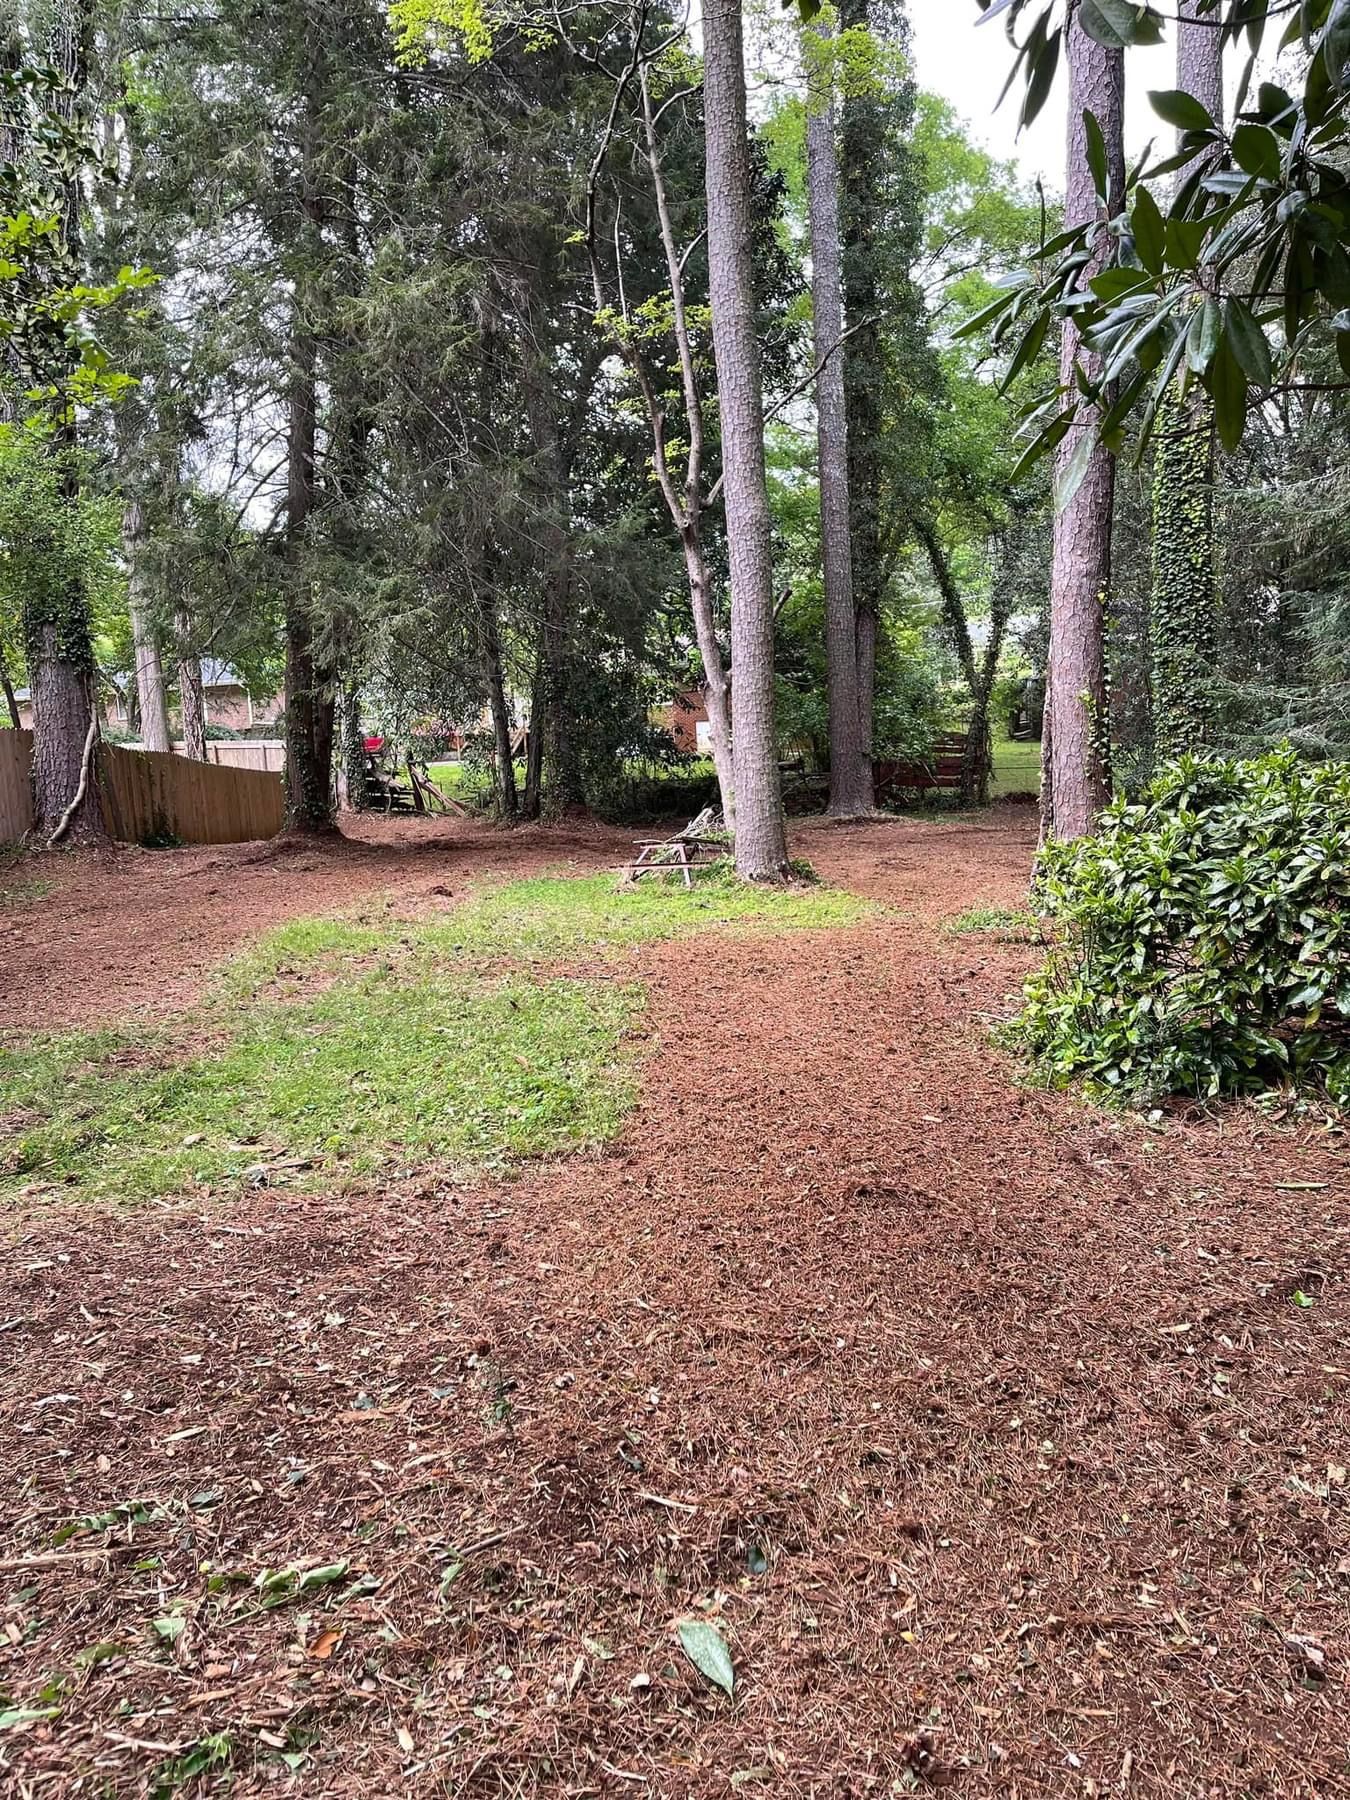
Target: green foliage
[(1205, 936), (331, 1047), (1271, 204), (58, 546), (1011, 924)]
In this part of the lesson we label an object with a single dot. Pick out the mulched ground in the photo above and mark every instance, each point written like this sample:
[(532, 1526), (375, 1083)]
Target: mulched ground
[(993, 1433)]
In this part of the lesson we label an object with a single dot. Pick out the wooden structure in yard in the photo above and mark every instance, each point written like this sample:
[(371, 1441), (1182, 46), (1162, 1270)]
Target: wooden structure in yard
[(151, 795), (941, 769), (698, 846)]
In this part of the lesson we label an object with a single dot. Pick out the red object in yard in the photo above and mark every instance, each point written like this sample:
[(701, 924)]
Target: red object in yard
[(374, 744)]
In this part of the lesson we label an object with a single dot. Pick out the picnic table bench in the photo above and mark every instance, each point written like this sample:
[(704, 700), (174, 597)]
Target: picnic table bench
[(685, 854)]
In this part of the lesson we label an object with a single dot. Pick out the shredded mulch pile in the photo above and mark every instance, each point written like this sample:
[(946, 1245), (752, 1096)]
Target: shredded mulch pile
[(1002, 1441)]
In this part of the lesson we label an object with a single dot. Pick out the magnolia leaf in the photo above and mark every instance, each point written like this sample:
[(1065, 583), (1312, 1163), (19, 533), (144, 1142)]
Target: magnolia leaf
[(1150, 234), (706, 1650), (1176, 107), (1256, 150), (1202, 339), (1248, 342), (1119, 23), (1069, 478)]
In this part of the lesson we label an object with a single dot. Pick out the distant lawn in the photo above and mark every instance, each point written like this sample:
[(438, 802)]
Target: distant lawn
[(331, 1048), (1017, 768)]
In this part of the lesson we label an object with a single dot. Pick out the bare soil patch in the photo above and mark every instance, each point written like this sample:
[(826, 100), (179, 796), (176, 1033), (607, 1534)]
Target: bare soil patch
[(1002, 1440)]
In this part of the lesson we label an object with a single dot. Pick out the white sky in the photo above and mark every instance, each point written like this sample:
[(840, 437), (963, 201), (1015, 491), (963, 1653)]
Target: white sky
[(967, 63)]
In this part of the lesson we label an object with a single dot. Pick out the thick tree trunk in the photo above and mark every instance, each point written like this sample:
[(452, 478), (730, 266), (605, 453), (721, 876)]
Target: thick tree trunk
[(532, 799), (150, 690), (191, 693), (850, 766), (1078, 720), (508, 802), (58, 644), (761, 844), (309, 686), (863, 208), (1182, 625), (353, 749), (310, 678)]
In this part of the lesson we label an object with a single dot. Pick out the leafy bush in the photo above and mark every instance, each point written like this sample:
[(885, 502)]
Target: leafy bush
[(1204, 936)]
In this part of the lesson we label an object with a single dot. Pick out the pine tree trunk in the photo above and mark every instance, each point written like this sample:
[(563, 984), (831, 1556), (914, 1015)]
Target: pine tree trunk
[(761, 844), (508, 801), (850, 767), (150, 691), (1077, 711), (191, 694), (1183, 629), (862, 207), (310, 682)]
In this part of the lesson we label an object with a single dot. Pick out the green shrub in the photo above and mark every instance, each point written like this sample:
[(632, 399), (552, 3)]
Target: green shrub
[(1204, 936)]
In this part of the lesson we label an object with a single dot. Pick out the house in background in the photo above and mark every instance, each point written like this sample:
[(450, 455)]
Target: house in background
[(227, 702), (686, 719)]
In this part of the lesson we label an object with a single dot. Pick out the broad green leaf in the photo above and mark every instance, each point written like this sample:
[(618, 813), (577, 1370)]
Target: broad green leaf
[(1176, 107), (1029, 349), (1096, 155), (1119, 23), (314, 1578), (1202, 339), (1249, 343), (705, 1648), (1150, 234), (1069, 478), (1256, 150), (1228, 386)]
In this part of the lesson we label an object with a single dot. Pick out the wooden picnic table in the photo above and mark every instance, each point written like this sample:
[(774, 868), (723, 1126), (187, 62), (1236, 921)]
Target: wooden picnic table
[(685, 854)]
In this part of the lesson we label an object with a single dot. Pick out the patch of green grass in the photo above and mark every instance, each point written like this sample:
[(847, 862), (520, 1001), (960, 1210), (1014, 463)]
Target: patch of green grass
[(333, 1047), (22, 890), (1014, 924), (1017, 768)]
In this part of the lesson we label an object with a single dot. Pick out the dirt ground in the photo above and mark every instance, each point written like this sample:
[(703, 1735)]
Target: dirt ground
[(1003, 1440)]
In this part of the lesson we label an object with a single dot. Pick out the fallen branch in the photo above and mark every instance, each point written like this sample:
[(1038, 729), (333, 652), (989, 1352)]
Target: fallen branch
[(91, 738)]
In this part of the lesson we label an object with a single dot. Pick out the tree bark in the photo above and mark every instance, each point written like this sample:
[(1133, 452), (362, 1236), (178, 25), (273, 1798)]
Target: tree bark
[(508, 802), (1077, 711), (191, 694), (1183, 630), (58, 644), (310, 682), (850, 765), (150, 690), (761, 843)]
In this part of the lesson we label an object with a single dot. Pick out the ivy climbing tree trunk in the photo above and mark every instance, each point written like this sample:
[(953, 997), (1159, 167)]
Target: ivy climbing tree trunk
[(761, 843), (850, 763), (1076, 776), (58, 643), (1182, 624)]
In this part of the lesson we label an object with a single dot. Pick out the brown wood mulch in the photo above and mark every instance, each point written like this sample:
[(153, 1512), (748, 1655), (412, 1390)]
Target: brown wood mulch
[(1002, 1440)]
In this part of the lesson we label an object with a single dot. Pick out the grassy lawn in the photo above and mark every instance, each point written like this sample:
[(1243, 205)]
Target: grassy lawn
[(333, 1047), (1017, 768)]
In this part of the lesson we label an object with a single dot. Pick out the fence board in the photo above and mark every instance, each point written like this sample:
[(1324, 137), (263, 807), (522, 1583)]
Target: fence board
[(16, 785), (149, 793), (153, 793)]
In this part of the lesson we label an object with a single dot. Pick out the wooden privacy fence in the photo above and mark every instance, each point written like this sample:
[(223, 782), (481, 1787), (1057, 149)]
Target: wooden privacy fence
[(16, 785), (149, 794)]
